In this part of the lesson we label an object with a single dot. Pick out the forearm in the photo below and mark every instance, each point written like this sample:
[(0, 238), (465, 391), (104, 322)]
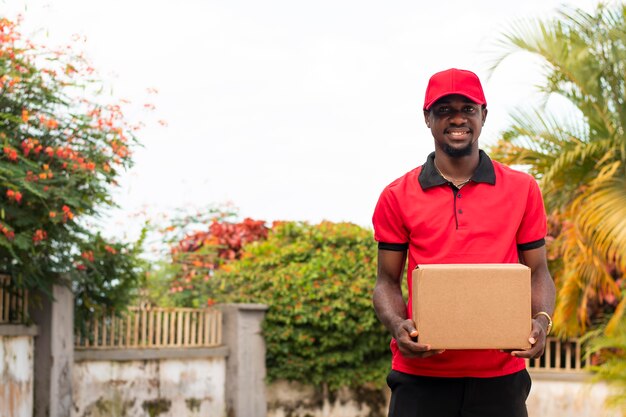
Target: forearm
[(543, 290), (389, 305), (387, 297), (543, 295)]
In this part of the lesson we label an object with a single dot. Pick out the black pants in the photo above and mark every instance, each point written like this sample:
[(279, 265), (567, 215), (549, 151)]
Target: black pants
[(420, 396)]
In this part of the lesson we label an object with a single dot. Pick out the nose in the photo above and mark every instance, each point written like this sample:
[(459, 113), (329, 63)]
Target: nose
[(457, 117)]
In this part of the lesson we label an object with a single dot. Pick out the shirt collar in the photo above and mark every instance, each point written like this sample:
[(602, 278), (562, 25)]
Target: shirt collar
[(430, 177)]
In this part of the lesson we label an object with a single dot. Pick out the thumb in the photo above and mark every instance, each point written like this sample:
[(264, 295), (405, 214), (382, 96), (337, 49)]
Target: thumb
[(410, 328)]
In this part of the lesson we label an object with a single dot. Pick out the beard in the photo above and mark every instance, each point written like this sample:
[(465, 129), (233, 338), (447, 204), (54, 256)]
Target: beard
[(458, 152)]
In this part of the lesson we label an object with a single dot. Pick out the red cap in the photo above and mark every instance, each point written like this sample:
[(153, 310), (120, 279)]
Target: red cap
[(454, 81)]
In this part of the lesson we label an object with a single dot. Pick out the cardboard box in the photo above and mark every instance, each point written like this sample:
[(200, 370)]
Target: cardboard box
[(472, 306)]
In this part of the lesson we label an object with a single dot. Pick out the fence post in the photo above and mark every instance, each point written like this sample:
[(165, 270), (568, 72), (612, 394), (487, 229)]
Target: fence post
[(54, 352), (245, 365)]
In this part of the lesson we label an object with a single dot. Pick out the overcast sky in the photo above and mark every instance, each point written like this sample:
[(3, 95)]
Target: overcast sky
[(288, 109)]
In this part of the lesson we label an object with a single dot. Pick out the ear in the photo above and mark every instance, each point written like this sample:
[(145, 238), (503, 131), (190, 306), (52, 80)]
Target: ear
[(427, 118), (484, 115)]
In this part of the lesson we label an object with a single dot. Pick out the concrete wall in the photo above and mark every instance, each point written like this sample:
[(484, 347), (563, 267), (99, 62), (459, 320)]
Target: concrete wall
[(166, 382), (16, 371), (290, 399), (54, 351), (556, 395), (552, 395), (165, 387), (245, 368)]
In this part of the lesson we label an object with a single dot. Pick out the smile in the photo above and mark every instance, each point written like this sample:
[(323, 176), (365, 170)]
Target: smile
[(458, 133)]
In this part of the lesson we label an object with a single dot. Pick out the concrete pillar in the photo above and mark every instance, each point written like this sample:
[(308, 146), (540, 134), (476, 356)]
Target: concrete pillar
[(245, 365), (54, 352)]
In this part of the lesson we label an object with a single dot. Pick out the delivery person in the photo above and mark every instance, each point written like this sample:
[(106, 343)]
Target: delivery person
[(459, 207)]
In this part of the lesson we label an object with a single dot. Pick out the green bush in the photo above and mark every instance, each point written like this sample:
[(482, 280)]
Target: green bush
[(317, 281)]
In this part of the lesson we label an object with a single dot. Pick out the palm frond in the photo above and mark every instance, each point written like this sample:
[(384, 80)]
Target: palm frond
[(601, 215)]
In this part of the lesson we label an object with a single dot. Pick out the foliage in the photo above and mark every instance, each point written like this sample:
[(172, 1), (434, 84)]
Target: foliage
[(194, 258), (105, 278), (60, 155), (580, 161), (317, 281), (610, 349)]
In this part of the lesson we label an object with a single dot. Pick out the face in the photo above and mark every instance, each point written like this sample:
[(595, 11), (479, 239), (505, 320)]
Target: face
[(455, 122)]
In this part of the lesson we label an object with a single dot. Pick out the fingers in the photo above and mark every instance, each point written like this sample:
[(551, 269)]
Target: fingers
[(537, 340), (432, 353), (536, 332), (409, 346)]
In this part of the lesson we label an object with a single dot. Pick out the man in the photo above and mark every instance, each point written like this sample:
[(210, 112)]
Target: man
[(459, 207)]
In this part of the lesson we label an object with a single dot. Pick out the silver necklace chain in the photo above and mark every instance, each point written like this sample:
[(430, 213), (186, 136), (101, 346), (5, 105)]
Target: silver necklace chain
[(458, 184)]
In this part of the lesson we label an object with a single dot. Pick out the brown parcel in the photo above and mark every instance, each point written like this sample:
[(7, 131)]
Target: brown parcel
[(472, 306)]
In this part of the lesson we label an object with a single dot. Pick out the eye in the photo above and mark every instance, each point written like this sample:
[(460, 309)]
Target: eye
[(443, 109), (469, 109)]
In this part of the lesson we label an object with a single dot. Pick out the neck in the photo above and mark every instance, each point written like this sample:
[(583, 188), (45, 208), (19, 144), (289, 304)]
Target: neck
[(456, 169)]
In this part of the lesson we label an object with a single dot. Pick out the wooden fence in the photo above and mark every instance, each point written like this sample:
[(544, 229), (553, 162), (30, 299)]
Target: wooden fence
[(13, 302), (560, 356), (140, 328)]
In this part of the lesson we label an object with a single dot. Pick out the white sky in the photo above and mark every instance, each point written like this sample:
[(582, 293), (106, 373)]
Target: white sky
[(290, 110)]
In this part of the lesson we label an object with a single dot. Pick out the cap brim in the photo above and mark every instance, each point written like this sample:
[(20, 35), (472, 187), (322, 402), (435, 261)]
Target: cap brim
[(448, 93)]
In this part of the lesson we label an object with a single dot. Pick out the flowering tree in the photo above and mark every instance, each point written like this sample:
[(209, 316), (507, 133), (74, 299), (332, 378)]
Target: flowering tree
[(195, 255), (60, 154)]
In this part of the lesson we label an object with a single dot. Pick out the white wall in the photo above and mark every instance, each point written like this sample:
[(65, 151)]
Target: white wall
[(160, 387), (292, 399), (556, 395), (552, 395), (16, 376)]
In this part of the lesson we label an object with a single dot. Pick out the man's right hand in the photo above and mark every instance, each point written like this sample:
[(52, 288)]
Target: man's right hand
[(406, 338)]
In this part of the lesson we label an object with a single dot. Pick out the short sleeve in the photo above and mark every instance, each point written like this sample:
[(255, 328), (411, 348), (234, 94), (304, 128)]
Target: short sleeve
[(532, 230), (389, 229)]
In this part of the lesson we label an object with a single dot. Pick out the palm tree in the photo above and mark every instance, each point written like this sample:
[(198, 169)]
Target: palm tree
[(579, 161)]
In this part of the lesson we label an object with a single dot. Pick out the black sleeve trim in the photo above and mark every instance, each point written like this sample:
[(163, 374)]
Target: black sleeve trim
[(532, 245), (398, 247)]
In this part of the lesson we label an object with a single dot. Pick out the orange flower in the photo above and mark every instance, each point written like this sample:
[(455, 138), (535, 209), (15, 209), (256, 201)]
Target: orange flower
[(25, 115), (14, 195), (67, 213), (110, 249), (10, 153), (6, 232), (52, 214), (39, 235), (88, 255)]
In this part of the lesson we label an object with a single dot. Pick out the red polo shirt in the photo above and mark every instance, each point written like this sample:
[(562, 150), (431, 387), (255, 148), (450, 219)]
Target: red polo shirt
[(499, 212)]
